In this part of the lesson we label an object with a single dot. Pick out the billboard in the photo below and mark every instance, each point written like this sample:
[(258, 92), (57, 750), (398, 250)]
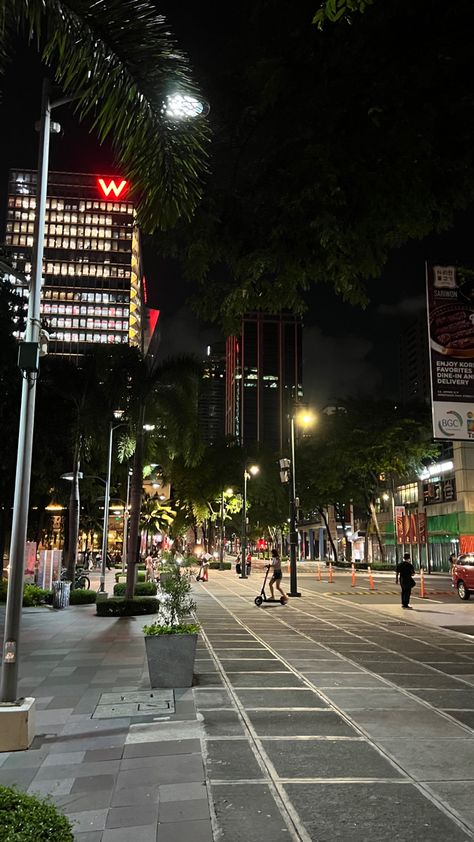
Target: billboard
[(450, 300)]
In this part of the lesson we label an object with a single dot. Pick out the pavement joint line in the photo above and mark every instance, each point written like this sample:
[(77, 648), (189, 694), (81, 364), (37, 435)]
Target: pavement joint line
[(434, 798), (284, 780), (287, 811)]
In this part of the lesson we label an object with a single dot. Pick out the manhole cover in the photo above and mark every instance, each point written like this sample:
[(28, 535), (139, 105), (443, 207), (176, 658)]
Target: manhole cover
[(135, 703)]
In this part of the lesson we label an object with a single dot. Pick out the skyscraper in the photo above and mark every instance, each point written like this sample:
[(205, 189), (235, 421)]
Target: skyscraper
[(211, 403), (92, 291), (414, 364), (263, 378)]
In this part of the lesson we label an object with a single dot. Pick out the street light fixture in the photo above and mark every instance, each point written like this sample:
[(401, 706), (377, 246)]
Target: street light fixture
[(118, 414), (249, 471), (304, 418)]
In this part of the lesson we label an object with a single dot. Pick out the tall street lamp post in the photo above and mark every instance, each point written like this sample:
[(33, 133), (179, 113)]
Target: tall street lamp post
[(249, 471), (125, 522), (28, 362), (118, 414), (227, 492), (304, 419)]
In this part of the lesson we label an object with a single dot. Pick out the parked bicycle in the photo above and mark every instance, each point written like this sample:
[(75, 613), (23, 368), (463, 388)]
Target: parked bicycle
[(81, 579)]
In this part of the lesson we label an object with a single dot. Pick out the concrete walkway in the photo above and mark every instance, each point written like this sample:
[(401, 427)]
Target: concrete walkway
[(326, 719)]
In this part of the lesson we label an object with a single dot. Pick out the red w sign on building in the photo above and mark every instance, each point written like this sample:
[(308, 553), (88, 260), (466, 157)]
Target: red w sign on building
[(109, 186)]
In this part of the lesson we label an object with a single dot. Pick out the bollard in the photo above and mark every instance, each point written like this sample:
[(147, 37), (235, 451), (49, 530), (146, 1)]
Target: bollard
[(422, 583), (330, 573), (353, 577), (288, 567), (371, 581), (319, 572)]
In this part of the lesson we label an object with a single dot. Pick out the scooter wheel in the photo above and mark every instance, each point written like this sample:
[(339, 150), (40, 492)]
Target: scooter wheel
[(283, 600), (258, 600)]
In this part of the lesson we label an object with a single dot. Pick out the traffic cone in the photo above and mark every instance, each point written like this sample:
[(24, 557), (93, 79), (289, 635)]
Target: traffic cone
[(422, 583), (319, 572), (353, 577), (371, 581), (330, 573)]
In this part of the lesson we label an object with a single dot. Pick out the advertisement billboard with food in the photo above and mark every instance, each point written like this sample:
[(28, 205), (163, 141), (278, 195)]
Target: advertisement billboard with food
[(450, 295)]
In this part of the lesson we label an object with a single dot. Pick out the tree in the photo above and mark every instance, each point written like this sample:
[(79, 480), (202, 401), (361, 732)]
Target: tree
[(120, 63), (355, 448), (155, 516), (334, 10), (328, 152)]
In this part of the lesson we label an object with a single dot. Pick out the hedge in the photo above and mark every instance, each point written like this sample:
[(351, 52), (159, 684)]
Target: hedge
[(82, 596), (120, 607), (141, 589), (25, 817), (215, 565), (32, 594), (123, 576)]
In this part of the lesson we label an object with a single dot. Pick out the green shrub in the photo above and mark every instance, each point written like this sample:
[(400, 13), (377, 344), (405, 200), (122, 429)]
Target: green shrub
[(190, 561), (215, 565), (141, 589), (24, 818), (184, 628), (82, 596), (122, 577), (120, 607), (33, 595)]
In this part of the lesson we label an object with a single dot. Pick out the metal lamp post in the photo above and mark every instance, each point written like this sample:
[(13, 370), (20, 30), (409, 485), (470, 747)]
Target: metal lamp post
[(28, 361), (105, 533), (250, 471), (228, 491), (125, 522), (304, 419)]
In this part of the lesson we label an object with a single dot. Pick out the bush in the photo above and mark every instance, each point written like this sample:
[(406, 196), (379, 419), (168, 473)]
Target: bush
[(141, 589), (184, 628), (24, 817), (82, 596), (120, 607), (33, 595), (123, 576), (215, 565)]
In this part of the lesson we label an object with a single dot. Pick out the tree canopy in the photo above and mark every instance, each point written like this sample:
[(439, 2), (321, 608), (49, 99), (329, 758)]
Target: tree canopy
[(331, 148), (120, 63)]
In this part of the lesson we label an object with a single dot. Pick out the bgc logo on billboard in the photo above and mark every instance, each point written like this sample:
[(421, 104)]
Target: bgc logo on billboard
[(452, 424)]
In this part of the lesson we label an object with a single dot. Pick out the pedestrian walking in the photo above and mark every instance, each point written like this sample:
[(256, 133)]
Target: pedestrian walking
[(276, 576), (149, 569), (405, 573), (249, 563), (203, 574), (238, 565), (452, 561)]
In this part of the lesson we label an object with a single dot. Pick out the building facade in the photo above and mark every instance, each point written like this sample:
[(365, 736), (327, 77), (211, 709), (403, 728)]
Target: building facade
[(211, 402), (414, 363), (263, 379), (92, 288)]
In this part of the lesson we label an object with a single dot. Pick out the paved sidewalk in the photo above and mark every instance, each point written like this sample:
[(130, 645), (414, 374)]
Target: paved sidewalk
[(320, 720)]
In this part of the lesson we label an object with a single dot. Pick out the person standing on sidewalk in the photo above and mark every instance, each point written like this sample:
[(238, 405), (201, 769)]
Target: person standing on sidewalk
[(405, 573), (276, 576)]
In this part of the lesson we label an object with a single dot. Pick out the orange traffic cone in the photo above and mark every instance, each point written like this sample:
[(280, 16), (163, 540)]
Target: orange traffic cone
[(330, 573), (319, 572), (353, 577), (371, 581), (422, 583)]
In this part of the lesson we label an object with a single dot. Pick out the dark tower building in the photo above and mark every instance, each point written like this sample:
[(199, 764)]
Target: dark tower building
[(414, 364), (211, 404), (263, 378)]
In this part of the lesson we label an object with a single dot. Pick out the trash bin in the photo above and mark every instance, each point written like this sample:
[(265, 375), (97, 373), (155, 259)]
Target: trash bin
[(61, 593)]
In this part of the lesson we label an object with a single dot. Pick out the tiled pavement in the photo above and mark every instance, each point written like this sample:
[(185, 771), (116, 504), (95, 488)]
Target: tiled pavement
[(314, 721)]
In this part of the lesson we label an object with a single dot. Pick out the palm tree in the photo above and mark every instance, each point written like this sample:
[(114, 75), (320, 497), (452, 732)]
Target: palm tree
[(166, 396), (155, 516), (119, 62)]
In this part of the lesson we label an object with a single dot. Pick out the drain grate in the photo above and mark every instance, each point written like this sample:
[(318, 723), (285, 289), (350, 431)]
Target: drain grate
[(134, 703)]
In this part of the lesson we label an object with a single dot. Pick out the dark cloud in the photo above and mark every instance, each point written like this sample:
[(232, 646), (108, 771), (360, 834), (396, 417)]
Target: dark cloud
[(337, 367)]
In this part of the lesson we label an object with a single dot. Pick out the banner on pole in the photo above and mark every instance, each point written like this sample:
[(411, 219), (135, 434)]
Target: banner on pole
[(450, 304)]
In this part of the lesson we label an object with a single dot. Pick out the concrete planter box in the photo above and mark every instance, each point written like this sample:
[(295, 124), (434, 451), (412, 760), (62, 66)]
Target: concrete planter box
[(171, 659)]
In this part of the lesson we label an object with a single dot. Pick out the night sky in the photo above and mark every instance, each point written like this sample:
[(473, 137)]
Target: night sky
[(347, 351)]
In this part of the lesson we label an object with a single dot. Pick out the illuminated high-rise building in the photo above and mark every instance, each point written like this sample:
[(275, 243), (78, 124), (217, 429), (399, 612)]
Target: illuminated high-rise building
[(263, 379), (92, 290)]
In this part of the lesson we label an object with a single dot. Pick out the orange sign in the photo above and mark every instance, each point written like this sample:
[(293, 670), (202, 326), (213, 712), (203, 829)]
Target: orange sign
[(111, 186)]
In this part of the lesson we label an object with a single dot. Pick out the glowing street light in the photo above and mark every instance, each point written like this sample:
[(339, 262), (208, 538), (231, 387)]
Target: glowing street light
[(184, 107), (304, 418)]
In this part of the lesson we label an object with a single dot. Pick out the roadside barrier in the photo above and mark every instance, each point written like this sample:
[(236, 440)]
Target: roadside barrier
[(353, 576), (422, 583), (319, 572), (330, 574), (371, 581)]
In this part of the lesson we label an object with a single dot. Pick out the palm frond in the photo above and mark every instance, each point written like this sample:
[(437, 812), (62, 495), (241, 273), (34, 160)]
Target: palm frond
[(121, 63)]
